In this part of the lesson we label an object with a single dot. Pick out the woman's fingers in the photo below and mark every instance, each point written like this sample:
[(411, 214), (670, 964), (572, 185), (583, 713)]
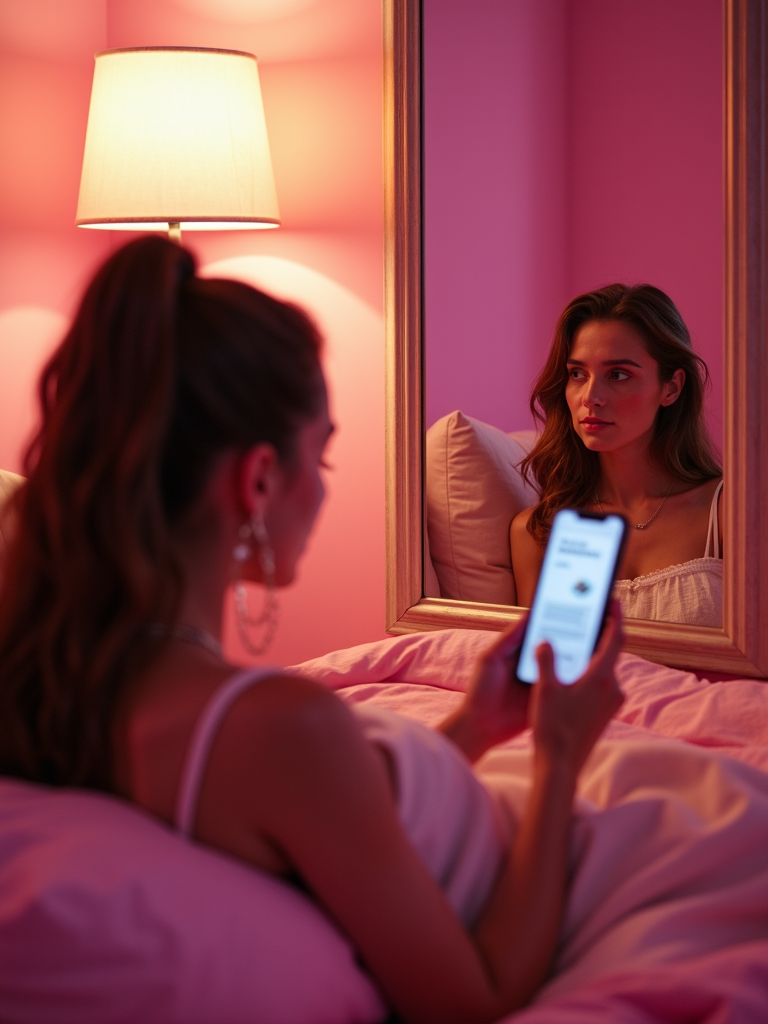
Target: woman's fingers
[(545, 657), (603, 660), (567, 720), (510, 640)]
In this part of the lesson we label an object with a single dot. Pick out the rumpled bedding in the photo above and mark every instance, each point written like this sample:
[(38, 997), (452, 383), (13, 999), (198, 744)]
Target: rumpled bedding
[(667, 915)]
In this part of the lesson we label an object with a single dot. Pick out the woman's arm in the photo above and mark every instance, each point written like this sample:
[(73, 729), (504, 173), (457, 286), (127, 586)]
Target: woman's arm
[(567, 721), (527, 557), (292, 758), (495, 707)]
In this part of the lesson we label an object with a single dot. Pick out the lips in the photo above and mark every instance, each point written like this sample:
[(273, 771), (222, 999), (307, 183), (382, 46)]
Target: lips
[(593, 425)]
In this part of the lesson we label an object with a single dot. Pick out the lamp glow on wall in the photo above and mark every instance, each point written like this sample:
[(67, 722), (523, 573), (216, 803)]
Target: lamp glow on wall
[(176, 139)]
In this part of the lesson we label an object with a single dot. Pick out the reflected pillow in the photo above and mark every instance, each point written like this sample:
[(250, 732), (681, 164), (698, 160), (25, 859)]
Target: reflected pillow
[(106, 915), (473, 493)]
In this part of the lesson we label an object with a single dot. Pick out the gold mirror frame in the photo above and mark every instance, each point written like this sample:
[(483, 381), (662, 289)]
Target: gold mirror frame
[(741, 647)]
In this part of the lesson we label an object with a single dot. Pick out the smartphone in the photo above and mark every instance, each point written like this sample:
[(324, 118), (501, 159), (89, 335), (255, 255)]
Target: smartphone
[(574, 588)]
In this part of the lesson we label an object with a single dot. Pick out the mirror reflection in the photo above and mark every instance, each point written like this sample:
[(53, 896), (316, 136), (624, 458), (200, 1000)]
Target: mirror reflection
[(569, 145)]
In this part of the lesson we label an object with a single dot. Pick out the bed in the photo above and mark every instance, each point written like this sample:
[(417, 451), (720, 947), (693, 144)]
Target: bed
[(105, 915)]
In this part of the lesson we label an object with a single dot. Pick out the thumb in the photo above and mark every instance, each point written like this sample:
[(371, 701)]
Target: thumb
[(545, 658)]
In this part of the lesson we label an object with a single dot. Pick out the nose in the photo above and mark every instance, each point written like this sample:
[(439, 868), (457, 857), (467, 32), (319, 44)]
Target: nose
[(591, 397)]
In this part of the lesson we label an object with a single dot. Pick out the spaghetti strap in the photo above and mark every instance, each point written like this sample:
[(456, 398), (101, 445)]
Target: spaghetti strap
[(713, 532), (202, 738)]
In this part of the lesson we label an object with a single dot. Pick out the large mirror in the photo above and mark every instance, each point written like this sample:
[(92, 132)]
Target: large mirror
[(742, 645)]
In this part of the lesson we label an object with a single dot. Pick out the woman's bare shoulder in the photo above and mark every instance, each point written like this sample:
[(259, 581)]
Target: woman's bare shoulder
[(526, 555), (282, 739), (277, 712), (520, 521), (700, 494), (518, 530), (286, 711)]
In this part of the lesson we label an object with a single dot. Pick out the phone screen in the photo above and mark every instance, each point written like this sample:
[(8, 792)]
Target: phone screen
[(573, 591)]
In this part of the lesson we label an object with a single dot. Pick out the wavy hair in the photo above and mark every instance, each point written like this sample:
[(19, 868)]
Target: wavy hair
[(565, 472), (160, 373)]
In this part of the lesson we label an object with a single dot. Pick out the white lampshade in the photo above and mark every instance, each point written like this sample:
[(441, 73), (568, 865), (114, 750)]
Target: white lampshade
[(176, 136)]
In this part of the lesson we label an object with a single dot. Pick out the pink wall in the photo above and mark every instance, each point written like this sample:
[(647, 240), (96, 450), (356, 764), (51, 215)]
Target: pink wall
[(496, 186), (644, 212), (321, 77), (602, 77)]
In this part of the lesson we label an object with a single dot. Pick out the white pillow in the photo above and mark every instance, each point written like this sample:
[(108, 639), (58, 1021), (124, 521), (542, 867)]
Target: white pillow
[(474, 491), (108, 916)]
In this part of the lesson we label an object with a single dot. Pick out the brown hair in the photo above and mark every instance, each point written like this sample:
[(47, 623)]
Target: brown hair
[(159, 374), (565, 471)]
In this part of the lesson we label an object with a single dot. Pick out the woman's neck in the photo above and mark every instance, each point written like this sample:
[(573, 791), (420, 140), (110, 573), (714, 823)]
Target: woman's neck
[(629, 477), (206, 569)]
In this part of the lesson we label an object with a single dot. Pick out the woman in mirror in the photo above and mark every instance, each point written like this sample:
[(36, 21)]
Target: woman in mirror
[(181, 449), (620, 400)]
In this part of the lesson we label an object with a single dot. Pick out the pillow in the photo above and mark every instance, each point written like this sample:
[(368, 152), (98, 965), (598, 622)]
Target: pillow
[(474, 491), (108, 916), (431, 582)]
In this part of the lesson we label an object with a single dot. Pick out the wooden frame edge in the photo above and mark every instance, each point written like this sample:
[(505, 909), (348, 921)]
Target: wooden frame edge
[(667, 643), (741, 647), (402, 304), (745, 612)]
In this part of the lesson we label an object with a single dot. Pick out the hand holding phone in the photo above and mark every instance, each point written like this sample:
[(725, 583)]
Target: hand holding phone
[(568, 720), (573, 592), (495, 707)]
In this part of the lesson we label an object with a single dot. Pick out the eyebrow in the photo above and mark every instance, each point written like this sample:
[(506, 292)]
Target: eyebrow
[(608, 362)]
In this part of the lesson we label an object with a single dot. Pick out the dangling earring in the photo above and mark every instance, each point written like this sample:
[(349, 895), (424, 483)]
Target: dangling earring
[(255, 530)]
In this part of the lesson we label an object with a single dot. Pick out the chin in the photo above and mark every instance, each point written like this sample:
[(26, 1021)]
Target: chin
[(594, 444)]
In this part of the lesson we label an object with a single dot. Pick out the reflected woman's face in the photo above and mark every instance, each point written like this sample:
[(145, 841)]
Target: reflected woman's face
[(614, 391)]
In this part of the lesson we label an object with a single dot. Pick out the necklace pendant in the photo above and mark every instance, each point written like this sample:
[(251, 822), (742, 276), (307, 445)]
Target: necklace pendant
[(647, 523)]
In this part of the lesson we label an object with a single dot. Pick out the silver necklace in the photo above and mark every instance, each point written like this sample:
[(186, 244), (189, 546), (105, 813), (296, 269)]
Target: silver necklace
[(642, 526), (192, 634)]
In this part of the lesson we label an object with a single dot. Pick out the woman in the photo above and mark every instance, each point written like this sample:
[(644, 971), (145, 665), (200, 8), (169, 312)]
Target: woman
[(621, 403), (184, 422)]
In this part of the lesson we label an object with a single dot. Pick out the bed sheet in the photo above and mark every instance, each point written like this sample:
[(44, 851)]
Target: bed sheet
[(667, 916)]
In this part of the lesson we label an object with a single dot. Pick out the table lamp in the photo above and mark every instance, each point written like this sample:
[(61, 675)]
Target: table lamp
[(176, 139)]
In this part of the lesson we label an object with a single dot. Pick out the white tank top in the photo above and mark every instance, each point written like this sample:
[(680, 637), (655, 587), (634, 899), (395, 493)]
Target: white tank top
[(691, 592), (458, 829)]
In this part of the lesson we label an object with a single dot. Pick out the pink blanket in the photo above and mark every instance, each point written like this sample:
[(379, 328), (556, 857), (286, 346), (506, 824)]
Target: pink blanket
[(667, 918)]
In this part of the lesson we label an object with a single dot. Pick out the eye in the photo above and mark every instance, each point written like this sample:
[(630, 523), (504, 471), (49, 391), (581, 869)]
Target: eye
[(619, 375), (576, 373)]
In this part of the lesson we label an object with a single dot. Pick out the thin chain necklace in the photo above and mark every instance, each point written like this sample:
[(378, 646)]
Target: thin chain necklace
[(192, 634), (647, 523)]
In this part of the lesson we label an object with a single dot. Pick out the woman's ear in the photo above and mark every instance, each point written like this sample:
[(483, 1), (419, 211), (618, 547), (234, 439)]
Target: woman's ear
[(257, 477), (673, 387)]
